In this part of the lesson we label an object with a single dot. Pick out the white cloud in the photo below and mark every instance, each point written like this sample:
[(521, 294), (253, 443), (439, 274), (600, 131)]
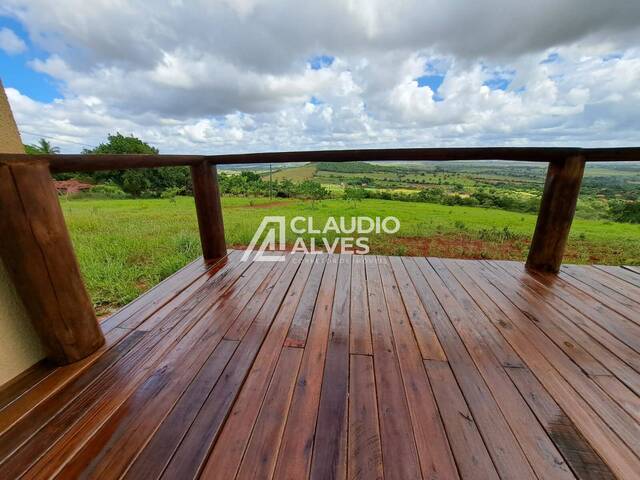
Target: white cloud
[(11, 43), (233, 75)]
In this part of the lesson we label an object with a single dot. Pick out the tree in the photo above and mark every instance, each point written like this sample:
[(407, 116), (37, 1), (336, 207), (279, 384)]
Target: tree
[(312, 190), (145, 181), (119, 144), (42, 147), (622, 211), (135, 182), (354, 194)]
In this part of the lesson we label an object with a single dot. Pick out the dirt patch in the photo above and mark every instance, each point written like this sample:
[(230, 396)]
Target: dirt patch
[(446, 246), (70, 187), (453, 246), (467, 246)]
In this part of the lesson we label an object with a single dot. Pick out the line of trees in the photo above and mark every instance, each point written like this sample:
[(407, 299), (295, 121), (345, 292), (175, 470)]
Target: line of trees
[(479, 198), (171, 181)]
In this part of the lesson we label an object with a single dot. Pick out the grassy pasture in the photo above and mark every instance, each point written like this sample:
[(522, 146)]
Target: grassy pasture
[(127, 246), (295, 174)]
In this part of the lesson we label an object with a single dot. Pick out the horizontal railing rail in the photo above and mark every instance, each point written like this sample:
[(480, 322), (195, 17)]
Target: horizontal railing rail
[(91, 162), (39, 256)]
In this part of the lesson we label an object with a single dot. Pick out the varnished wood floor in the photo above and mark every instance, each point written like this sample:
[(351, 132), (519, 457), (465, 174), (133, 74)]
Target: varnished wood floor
[(334, 367)]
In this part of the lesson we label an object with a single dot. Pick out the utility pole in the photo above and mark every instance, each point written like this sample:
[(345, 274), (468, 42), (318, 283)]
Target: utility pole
[(270, 182)]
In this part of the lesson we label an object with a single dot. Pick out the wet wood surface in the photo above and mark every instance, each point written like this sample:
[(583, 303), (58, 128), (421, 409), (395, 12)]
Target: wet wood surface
[(335, 366)]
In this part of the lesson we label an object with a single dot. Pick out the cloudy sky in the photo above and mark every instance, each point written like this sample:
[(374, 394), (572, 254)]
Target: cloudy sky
[(255, 75)]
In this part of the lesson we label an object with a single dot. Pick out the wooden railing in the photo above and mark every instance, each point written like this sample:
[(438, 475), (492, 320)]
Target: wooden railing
[(38, 253)]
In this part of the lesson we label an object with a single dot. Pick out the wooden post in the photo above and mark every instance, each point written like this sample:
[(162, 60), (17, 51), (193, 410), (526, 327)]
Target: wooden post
[(209, 210), (557, 208), (38, 254)]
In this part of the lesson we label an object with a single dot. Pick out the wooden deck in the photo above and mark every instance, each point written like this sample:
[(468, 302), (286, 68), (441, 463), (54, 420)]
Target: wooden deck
[(345, 366)]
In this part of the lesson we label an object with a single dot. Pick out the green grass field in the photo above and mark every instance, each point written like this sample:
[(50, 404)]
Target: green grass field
[(127, 246), (295, 174)]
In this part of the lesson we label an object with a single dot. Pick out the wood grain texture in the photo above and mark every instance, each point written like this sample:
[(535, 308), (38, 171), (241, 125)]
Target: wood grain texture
[(206, 193), (462, 431), (38, 254), (330, 446), (90, 163), (436, 459), (245, 370), (557, 207), (294, 457), (365, 451)]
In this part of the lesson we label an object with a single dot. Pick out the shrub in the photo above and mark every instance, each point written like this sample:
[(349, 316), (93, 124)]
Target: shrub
[(171, 193), (106, 191), (622, 211)]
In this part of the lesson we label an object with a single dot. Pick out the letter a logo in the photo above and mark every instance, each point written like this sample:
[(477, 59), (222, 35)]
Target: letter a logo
[(273, 228)]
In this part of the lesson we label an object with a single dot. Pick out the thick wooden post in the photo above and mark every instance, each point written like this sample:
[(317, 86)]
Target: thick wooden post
[(209, 210), (557, 208), (37, 252)]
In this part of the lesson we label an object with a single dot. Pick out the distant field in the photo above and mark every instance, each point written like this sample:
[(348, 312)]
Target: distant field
[(127, 246), (295, 174)]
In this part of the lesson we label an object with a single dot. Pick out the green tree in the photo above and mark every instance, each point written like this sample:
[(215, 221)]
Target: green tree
[(145, 181), (312, 190), (354, 194), (622, 211), (42, 147), (135, 182)]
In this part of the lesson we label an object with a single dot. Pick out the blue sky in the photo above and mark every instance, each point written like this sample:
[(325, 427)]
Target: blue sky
[(16, 72)]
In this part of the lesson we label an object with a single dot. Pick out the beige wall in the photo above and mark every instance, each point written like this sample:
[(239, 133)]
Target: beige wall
[(19, 345)]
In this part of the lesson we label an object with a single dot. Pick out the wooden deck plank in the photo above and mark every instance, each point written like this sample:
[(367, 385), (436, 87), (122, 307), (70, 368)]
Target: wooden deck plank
[(133, 314), (399, 452), (522, 336), (422, 327), (227, 273), (63, 435), (329, 458), (294, 457), (249, 313), (578, 327), (360, 335), (619, 420), (632, 268), (507, 455), (162, 444), (155, 455), (584, 461), (466, 318), (605, 283), (153, 297), (113, 447), (621, 273), (21, 431), (262, 451), (436, 459), (62, 376), (468, 309), (225, 458), (346, 366), (550, 321), (194, 449), (365, 451), (610, 298), (532, 389), (302, 319), (53, 383), (471, 454), (603, 323), (12, 390)]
